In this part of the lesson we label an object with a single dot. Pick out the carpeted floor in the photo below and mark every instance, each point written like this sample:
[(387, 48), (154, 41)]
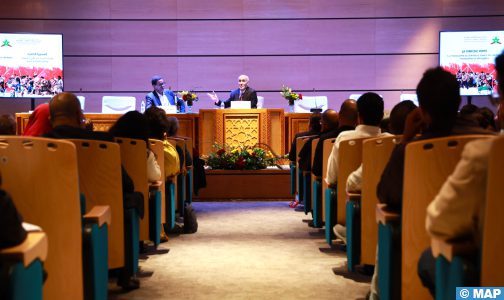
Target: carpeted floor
[(247, 250)]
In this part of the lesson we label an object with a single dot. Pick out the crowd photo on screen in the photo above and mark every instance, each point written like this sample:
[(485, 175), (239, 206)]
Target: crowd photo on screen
[(23, 85)]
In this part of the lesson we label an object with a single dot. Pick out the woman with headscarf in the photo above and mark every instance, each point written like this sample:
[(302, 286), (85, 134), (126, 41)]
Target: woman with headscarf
[(38, 123)]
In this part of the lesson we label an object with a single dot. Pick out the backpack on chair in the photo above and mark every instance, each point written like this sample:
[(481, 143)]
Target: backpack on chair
[(190, 221)]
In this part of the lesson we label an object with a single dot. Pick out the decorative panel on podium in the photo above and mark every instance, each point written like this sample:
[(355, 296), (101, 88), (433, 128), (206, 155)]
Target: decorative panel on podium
[(241, 127)]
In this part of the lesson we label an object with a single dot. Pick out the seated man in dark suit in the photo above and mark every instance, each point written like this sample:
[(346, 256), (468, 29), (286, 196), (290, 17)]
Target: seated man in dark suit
[(328, 122), (162, 97), (242, 93)]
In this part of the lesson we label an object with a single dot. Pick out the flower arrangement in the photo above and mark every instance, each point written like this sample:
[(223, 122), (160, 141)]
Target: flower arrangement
[(240, 158), (288, 94), (188, 96)]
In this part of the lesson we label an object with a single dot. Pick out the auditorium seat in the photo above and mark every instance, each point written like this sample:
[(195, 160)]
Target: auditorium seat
[(427, 165), (361, 227), (99, 167), (375, 155), (348, 205), (157, 147), (134, 160), (451, 256), (304, 178), (329, 194), (41, 176), (493, 241), (25, 271), (316, 206)]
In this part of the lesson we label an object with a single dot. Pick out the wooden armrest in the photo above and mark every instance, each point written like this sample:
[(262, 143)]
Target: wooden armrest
[(384, 216), (99, 214), (449, 249), (353, 196), (155, 186), (33, 247)]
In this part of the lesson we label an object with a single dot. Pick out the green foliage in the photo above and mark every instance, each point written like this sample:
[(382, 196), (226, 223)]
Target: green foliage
[(240, 158)]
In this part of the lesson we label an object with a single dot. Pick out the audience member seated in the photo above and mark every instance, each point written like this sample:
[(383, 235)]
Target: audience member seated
[(396, 124), (385, 124), (12, 233), (66, 119), (347, 120), (329, 124), (7, 125), (313, 129), (457, 209), (398, 116), (172, 130), (158, 128), (134, 125), (487, 119), (439, 99), (38, 122), (67, 122), (370, 114)]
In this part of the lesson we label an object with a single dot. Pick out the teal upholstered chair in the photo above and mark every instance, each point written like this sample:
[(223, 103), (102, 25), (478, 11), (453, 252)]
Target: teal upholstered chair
[(25, 269), (95, 252), (331, 213), (389, 253), (353, 230), (329, 196)]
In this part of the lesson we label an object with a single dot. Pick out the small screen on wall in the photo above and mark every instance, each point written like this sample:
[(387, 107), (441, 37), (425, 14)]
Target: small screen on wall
[(470, 56), (31, 65)]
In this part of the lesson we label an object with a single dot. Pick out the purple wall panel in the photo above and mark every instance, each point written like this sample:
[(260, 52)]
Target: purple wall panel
[(88, 73), (232, 9), (206, 45), (134, 9), (217, 9)]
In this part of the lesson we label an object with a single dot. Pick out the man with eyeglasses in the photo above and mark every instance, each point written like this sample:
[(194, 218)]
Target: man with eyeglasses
[(161, 97)]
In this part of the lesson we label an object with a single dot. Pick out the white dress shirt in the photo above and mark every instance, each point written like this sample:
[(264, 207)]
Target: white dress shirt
[(163, 99), (361, 131)]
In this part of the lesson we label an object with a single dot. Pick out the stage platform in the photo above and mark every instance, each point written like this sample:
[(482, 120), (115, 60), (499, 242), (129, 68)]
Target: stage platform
[(271, 184)]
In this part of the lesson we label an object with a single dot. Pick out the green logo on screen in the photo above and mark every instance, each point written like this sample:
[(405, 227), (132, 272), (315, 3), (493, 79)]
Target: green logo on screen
[(6, 43), (495, 40)]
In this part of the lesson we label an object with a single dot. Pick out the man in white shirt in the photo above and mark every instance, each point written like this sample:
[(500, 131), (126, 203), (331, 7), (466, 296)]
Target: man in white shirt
[(162, 97), (370, 111), (370, 114)]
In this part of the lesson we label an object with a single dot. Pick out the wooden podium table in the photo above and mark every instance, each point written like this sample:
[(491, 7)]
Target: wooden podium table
[(242, 127), (230, 126)]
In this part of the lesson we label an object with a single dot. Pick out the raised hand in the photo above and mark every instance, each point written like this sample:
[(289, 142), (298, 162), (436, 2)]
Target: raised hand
[(213, 96)]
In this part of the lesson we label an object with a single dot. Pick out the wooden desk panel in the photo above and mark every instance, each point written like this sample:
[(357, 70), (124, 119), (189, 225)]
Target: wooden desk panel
[(295, 123), (236, 127), (102, 122)]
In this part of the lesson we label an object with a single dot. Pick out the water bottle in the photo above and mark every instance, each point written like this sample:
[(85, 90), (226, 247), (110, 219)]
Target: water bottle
[(142, 106)]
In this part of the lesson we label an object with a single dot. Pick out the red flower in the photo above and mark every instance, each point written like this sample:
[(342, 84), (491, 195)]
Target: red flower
[(240, 163), (220, 152), (300, 96), (184, 97)]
